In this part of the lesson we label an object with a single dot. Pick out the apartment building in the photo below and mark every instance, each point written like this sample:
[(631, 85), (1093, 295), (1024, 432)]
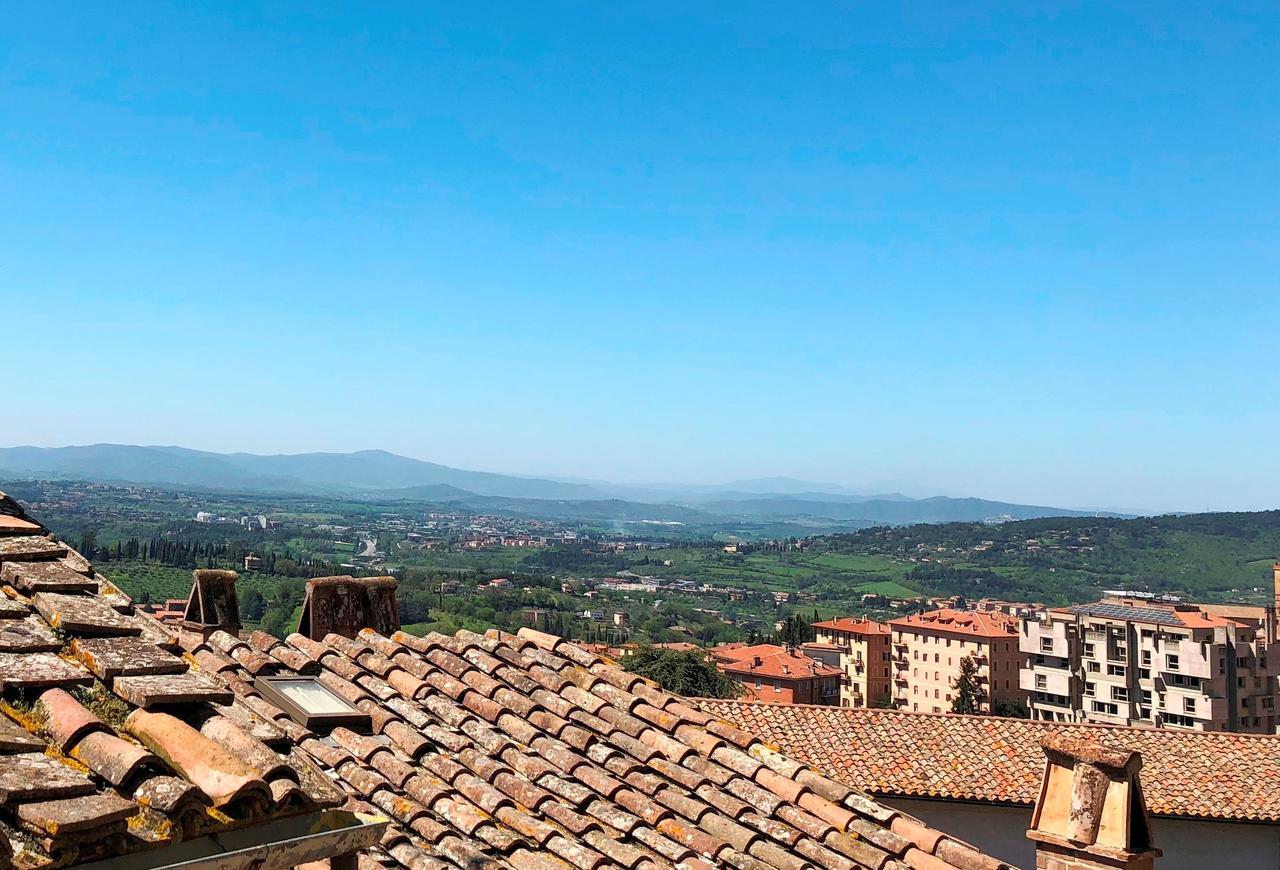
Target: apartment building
[(1135, 662), (928, 648), (863, 653), (774, 674)]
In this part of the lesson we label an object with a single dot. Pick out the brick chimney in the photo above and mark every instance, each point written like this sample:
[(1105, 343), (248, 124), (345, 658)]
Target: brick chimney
[(1091, 815), (345, 604), (212, 603)]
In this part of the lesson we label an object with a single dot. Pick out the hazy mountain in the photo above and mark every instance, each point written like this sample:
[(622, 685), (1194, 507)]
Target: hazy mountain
[(338, 473), (939, 509), (382, 474)]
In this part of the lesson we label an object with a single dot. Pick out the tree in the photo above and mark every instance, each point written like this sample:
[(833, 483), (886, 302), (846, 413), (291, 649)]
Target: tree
[(252, 604), (968, 693), (684, 673), (795, 631)]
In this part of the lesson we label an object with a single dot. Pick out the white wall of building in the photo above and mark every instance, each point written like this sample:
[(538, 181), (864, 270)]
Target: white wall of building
[(1188, 845)]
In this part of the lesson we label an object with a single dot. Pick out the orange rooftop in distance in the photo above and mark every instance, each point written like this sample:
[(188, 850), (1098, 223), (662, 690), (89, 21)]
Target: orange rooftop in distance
[(962, 622), (777, 675)]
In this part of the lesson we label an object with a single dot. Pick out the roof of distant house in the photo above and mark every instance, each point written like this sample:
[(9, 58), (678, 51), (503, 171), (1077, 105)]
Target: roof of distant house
[(771, 661), (854, 626), (493, 750), (966, 623), (895, 753)]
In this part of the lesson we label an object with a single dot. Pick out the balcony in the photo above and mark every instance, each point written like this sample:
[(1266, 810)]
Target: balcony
[(900, 664)]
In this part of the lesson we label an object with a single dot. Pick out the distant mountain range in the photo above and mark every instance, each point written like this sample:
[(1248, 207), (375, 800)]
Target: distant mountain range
[(377, 473)]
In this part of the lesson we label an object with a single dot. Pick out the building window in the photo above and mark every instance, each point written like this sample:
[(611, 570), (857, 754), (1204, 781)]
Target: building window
[(1042, 682), (1188, 705), (1046, 644), (1146, 658), (1093, 667), (1088, 689), (1119, 693), (310, 703), (1088, 649), (777, 685), (1171, 662), (1115, 670)]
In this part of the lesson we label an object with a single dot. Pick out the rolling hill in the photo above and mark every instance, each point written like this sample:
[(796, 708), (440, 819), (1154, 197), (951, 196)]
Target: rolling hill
[(379, 474)]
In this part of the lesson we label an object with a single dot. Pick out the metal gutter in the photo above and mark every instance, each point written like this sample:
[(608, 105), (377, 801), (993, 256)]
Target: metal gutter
[(276, 845)]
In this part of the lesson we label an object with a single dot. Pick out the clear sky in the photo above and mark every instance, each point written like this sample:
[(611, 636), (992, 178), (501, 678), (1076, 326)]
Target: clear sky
[(1029, 254)]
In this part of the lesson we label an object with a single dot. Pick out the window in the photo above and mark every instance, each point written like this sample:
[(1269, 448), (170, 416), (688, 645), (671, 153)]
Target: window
[(1188, 705), (1146, 658), (1119, 693), (1104, 707), (310, 703), (1122, 654), (1088, 649), (1171, 662), (1115, 670), (1088, 689), (1093, 667), (1042, 682), (777, 685)]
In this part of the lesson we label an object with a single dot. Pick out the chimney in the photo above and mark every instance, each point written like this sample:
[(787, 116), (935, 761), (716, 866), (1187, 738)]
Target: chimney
[(1275, 609), (1091, 814), (345, 604), (212, 604)]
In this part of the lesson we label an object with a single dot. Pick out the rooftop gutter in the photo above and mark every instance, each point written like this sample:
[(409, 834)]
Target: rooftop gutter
[(275, 845)]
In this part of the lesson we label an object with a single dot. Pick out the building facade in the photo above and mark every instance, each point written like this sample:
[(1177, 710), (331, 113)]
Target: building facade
[(927, 651), (1131, 662), (773, 674), (864, 656)]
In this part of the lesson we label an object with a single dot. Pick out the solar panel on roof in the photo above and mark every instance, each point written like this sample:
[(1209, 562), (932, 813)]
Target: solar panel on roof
[(1133, 614)]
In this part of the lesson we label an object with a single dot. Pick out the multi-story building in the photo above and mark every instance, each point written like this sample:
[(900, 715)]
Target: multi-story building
[(863, 654), (1130, 662), (929, 647), (776, 675)]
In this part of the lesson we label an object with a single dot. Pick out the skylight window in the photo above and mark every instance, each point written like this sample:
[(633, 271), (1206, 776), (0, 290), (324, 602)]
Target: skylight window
[(310, 703)]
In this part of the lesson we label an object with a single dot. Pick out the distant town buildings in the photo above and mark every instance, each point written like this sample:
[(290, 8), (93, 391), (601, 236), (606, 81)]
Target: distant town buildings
[(774, 674), (1125, 661), (928, 649), (862, 653)]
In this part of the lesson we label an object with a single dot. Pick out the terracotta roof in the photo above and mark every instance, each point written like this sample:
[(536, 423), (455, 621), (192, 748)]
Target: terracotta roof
[(775, 662), (112, 741), (855, 626), (487, 751), (988, 758), (966, 623)]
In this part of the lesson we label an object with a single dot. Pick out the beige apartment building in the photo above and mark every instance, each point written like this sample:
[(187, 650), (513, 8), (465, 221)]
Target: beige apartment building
[(1135, 662), (928, 648), (862, 652)]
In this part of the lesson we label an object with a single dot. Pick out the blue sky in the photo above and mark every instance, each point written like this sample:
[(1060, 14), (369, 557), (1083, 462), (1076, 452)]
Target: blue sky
[(1030, 253)]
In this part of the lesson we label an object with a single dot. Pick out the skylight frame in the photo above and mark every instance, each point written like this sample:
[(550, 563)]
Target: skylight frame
[(349, 716)]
